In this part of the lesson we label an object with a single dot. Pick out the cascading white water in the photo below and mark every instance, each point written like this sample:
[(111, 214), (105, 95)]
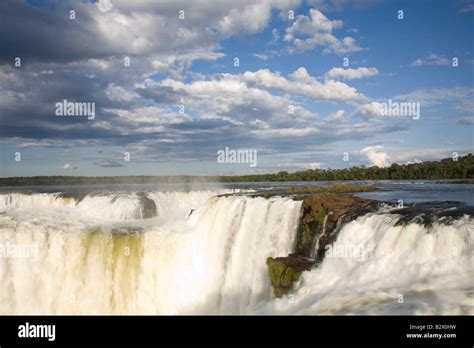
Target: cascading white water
[(109, 206), (99, 254), (377, 267), (66, 256)]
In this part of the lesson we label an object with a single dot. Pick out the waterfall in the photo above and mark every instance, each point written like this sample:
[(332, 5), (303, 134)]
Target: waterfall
[(99, 255), (377, 266), (204, 252)]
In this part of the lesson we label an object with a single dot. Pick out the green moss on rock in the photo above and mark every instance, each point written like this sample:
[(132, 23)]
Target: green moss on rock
[(284, 271)]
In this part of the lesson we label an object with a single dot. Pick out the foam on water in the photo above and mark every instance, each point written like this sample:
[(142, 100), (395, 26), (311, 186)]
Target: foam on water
[(379, 267), (99, 255), (212, 261)]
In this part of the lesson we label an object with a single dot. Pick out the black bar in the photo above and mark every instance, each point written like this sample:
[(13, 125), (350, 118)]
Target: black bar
[(223, 330)]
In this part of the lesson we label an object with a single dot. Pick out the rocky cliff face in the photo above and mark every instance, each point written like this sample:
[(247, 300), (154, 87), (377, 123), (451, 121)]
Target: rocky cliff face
[(148, 206), (322, 217), (284, 271)]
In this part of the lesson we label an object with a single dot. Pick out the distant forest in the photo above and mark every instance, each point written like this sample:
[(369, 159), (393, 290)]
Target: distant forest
[(447, 168)]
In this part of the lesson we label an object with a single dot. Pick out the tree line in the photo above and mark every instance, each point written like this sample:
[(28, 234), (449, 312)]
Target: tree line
[(462, 168)]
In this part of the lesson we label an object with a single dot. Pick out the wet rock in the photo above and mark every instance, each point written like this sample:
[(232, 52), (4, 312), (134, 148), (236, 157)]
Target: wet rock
[(284, 271), (322, 218), (76, 196), (148, 206), (429, 213)]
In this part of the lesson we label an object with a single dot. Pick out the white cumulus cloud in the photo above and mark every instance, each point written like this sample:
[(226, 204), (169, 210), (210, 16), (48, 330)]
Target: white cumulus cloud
[(376, 155), (307, 32), (67, 166), (351, 74)]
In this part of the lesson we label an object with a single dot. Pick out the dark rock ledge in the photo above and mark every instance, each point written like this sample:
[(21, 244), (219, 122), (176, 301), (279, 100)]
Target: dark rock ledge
[(321, 219)]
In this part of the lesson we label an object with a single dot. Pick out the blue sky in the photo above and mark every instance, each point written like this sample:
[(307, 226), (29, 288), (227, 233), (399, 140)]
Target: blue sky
[(181, 99)]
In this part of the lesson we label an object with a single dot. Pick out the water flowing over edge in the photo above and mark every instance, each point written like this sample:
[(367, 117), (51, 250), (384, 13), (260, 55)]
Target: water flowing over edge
[(210, 260), (200, 252)]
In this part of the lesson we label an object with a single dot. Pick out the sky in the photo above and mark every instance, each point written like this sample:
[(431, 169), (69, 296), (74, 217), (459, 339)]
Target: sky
[(169, 83)]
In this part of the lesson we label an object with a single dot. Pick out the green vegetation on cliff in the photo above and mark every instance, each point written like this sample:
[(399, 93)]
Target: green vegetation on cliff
[(318, 228), (284, 271)]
